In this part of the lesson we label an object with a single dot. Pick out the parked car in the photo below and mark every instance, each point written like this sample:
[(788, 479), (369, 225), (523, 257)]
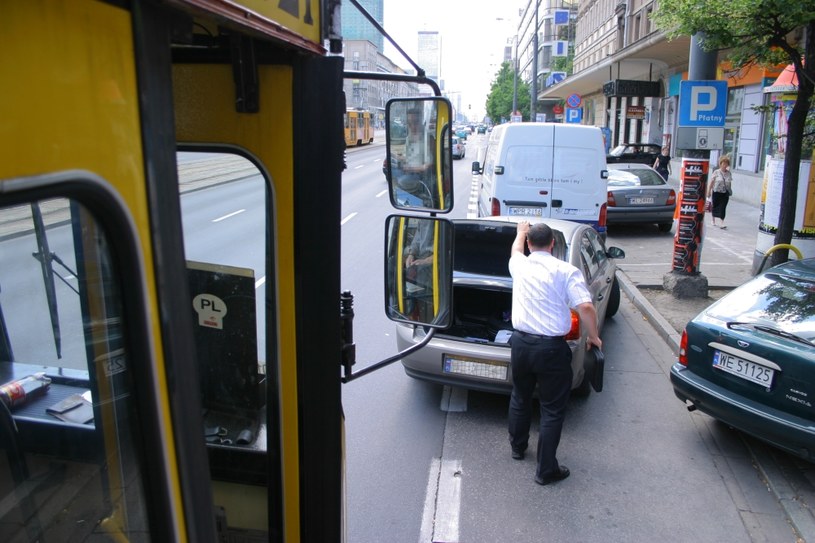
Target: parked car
[(748, 360), (459, 149), (474, 352), (638, 194), (642, 153)]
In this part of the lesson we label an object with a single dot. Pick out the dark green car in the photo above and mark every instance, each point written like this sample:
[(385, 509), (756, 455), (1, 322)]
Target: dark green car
[(748, 360)]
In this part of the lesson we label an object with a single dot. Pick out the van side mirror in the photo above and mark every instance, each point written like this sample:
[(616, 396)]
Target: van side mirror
[(419, 158), (477, 168), (615, 252), (419, 270)]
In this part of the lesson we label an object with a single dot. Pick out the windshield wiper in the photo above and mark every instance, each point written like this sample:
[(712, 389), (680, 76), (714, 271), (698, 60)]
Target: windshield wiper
[(769, 330)]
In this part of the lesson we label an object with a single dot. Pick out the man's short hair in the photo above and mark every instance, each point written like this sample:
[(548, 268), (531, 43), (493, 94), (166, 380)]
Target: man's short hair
[(540, 236)]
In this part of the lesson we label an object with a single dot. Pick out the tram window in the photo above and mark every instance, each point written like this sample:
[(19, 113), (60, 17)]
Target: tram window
[(69, 438), (223, 211)]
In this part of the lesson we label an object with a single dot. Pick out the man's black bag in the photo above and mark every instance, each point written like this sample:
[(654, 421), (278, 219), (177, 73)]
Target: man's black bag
[(599, 368)]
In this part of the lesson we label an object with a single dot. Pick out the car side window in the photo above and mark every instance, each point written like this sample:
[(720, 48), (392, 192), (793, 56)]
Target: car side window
[(587, 253), (600, 256)]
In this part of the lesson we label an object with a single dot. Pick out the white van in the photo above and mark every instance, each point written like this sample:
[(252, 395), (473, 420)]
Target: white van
[(545, 170)]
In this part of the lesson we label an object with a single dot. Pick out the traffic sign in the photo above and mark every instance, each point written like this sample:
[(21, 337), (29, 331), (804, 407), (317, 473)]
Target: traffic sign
[(574, 115), (574, 100), (702, 103)]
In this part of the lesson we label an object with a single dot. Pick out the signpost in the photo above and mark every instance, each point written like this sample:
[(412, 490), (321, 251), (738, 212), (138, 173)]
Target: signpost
[(702, 110)]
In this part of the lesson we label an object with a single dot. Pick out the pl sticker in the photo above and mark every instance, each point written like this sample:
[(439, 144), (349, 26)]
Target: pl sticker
[(211, 311)]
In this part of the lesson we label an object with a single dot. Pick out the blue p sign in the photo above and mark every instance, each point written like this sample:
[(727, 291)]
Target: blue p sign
[(574, 115), (702, 103)]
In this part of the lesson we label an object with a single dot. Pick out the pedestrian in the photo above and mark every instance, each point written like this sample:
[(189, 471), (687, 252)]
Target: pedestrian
[(544, 288), (662, 164), (719, 190)]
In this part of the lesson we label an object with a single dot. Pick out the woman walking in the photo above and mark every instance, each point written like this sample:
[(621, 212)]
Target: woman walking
[(719, 190), (663, 163)]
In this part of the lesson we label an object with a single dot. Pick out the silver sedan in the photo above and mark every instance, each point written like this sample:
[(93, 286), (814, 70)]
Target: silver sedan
[(638, 194), (474, 352)]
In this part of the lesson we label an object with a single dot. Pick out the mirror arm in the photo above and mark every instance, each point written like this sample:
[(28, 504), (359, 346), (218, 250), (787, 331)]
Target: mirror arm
[(348, 377)]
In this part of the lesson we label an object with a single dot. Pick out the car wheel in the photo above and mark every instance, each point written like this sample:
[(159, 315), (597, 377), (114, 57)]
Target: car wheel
[(665, 226), (613, 299)]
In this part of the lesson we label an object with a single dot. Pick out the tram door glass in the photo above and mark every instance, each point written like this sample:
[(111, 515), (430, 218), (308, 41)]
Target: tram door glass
[(71, 457)]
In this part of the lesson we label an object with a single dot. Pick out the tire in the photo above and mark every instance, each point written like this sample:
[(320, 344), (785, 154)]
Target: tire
[(613, 299), (665, 226)]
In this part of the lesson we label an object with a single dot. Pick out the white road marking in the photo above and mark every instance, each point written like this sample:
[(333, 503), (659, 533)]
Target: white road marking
[(260, 282), (348, 218), (384, 192), (442, 505), (238, 212), (454, 399), (360, 166)]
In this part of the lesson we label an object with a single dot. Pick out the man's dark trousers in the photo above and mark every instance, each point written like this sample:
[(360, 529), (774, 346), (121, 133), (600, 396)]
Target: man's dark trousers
[(546, 362)]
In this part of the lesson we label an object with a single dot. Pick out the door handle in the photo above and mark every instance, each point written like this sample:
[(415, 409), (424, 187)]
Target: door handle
[(600, 297), (608, 279)]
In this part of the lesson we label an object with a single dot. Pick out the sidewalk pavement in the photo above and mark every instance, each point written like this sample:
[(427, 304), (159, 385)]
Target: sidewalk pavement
[(726, 266)]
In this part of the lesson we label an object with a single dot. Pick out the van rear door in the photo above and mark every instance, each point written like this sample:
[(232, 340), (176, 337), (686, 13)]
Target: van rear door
[(578, 186), (526, 187)]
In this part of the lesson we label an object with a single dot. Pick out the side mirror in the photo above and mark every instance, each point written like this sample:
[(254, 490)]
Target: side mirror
[(419, 270), (615, 252), (477, 168), (420, 154)]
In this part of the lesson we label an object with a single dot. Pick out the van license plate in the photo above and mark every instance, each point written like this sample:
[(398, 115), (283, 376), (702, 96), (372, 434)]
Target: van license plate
[(525, 211), (743, 368)]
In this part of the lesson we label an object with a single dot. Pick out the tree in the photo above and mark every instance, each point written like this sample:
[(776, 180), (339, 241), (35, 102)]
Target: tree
[(499, 100), (767, 33)]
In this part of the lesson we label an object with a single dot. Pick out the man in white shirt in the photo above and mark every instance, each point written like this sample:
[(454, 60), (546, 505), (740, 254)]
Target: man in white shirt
[(544, 289)]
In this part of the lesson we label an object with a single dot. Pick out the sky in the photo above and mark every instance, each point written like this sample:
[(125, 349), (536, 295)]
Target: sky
[(473, 41)]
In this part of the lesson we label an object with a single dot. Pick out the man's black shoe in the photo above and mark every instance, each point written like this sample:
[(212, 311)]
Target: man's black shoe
[(517, 455), (561, 474)]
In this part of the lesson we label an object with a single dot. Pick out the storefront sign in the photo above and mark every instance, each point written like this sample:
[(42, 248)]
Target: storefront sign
[(631, 87), (635, 112)]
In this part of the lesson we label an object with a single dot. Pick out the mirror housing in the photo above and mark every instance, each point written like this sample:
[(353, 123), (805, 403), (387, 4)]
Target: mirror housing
[(477, 168), (419, 157), (419, 270)]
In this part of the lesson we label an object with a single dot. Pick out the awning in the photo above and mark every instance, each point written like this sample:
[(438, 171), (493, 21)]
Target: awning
[(786, 82)]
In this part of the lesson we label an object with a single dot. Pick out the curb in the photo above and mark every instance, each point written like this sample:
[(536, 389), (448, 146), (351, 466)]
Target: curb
[(799, 516)]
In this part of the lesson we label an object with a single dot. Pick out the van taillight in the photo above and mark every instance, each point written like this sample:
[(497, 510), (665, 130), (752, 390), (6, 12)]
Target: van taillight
[(574, 331), (610, 199), (603, 213), (496, 207), (683, 348), (671, 198)]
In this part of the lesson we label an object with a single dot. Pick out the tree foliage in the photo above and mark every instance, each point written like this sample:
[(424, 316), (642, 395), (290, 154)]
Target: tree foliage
[(767, 33), (502, 90)]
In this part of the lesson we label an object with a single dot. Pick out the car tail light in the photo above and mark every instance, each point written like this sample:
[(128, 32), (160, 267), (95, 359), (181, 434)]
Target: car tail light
[(671, 198), (611, 201), (496, 207), (574, 331), (683, 348), (603, 215)]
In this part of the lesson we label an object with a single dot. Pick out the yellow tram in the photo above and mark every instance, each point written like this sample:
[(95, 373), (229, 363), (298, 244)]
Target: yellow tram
[(358, 128), (160, 381)]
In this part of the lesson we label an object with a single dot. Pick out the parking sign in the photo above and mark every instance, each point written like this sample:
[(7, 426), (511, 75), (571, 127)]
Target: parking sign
[(574, 115), (702, 103)]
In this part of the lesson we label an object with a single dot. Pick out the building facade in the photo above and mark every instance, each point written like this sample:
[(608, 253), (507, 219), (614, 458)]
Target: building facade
[(356, 27)]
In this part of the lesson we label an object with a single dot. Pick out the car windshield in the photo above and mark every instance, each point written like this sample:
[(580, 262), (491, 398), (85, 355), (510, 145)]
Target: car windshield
[(777, 300), (640, 177)]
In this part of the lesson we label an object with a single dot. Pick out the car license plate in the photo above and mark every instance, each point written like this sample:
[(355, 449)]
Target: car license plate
[(743, 368), (478, 368), (525, 211), (641, 200)]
